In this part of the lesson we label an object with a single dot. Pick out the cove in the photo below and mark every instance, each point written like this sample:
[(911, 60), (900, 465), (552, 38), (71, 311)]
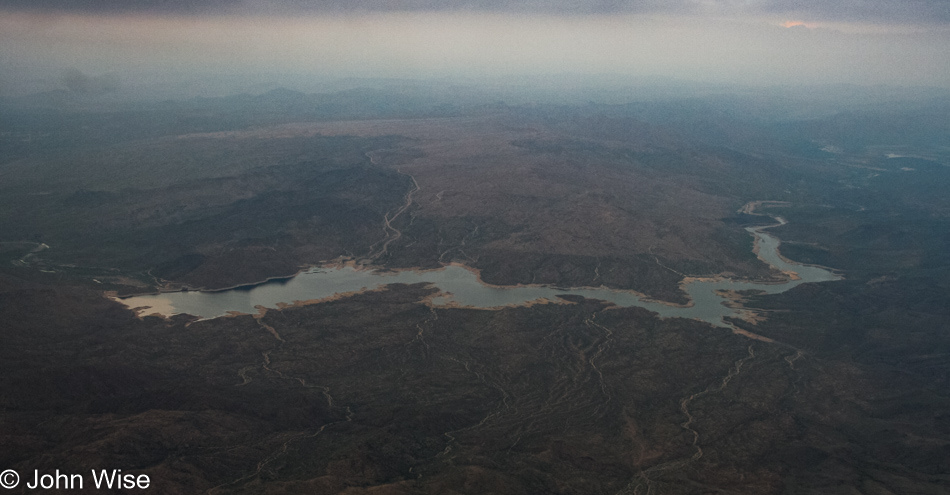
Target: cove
[(460, 286)]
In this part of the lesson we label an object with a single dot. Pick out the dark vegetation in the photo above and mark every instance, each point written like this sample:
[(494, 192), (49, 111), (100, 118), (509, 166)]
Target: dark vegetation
[(260, 209), (381, 393)]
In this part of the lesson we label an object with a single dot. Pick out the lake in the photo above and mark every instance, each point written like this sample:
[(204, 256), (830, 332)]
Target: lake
[(460, 286)]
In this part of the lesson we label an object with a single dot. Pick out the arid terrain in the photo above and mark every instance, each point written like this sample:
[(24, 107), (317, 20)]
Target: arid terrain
[(380, 392)]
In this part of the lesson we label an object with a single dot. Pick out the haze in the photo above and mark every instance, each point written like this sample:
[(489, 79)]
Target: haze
[(756, 43)]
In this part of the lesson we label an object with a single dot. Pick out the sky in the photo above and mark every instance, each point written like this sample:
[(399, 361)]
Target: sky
[(107, 45)]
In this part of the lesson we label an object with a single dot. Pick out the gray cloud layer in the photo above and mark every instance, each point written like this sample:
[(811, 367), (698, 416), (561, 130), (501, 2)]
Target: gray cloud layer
[(873, 11)]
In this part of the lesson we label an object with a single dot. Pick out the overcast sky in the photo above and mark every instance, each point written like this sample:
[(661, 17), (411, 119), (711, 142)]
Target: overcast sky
[(44, 42)]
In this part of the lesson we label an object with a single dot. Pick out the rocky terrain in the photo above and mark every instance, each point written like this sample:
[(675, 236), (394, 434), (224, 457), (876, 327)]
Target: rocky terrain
[(382, 393)]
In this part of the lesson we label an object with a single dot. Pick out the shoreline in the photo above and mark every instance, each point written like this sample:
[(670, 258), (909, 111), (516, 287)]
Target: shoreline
[(353, 263)]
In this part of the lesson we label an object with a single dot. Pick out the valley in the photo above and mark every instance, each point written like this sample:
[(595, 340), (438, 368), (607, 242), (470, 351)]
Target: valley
[(417, 385)]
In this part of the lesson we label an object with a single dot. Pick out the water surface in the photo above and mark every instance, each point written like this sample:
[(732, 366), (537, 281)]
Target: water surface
[(461, 287)]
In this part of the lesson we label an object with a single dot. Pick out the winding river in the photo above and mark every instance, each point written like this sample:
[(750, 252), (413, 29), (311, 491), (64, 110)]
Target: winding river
[(460, 286)]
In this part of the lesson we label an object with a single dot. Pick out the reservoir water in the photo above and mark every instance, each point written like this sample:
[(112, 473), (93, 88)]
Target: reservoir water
[(460, 286)]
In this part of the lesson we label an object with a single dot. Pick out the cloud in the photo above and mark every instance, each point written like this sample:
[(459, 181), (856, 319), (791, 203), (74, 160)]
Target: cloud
[(867, 11), (871, 11), (156, 49)]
